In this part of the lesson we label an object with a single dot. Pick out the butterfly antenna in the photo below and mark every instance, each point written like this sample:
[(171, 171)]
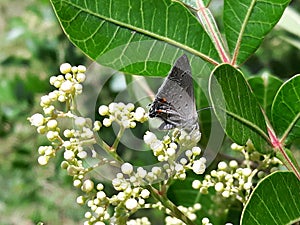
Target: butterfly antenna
[(208, 107)]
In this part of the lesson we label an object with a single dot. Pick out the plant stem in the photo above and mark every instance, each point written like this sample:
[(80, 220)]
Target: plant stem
[(277, 145), (169, 205), (211, 28), (107, 148)]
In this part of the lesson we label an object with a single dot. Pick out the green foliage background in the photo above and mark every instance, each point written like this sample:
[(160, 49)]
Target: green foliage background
[(32, 48)]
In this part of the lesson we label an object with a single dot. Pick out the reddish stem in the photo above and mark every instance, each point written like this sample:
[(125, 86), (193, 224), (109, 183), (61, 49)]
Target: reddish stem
[(278, 145)]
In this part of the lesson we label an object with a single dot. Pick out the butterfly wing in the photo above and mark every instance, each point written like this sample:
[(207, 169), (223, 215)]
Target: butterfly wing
[(174, 102)]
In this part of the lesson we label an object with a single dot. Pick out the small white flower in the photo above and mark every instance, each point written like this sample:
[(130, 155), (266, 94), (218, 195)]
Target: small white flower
[(226, 194), (43, 160), (49, 110), (101, 195), (97, 125), (129, 107), (141, 172), (74, 69), (156, 170), (131, 204), (219, 186), (52, 124), (178, 167), (37, 120), (80, 121), (121, 196), (139, 114), (161, 158), (76, 183), (197, 206), (188, 153), (173, 145), (100, 210), (78, 88), (100, 187), (87, 186), (68, 133), (145, 193), (236, 147), (67, 86), (205, 220), (222, 165), (45, 100), (69, 155), (57, 83), (80, 77), (171, 151), (196, 150), (68, 76), (199, 167), (49, 150), (61, 98), (81, 69), (183, 161), (247, 172), (80, 200), (107, 122), (52, 135), (82, 154), (127, 168), (42, 150), (132, 124), (52, 79), (53, 95), (157, 146), (247, 186), (196, 184), (149, 137), (233, 164), (113, 107), (65, 68)]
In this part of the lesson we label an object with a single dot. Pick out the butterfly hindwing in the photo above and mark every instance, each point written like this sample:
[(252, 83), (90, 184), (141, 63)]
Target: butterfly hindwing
[(174, 103)]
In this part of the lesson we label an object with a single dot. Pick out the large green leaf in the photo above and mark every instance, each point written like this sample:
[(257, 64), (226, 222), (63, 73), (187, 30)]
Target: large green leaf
[(275, 200), (237, 108), (265, 88), (246, 23), (133, 36), (286, 110)]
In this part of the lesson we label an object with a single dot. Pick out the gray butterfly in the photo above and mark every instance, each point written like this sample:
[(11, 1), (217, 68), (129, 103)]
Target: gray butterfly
[(174, 102)]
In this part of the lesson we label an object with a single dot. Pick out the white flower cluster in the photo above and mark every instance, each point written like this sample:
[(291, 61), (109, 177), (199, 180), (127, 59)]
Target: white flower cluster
[(232, 180), (122, 114), (97, 205), (68, 85), (228, 180), (190, 212), (169, 150)]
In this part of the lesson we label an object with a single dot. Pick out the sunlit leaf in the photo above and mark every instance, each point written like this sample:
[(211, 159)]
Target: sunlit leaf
[(275, 200), (237, 108)]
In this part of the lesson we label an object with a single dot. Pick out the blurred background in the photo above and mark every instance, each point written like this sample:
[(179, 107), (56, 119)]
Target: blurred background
[(32, 48)]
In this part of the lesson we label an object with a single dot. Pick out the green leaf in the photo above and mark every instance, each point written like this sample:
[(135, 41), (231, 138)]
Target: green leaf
[(247, 23), (275, 200), (193, 3), (265, 88), (138, 37), (237, 108), (289, 21), (286, 110)]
